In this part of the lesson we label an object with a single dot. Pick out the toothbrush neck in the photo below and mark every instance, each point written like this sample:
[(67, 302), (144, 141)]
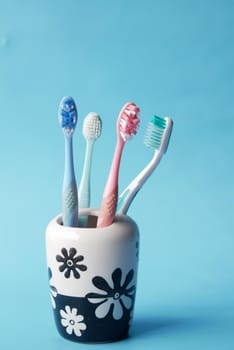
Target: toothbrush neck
[(112, 181), (87, 164), (69, 165), (147, 171)]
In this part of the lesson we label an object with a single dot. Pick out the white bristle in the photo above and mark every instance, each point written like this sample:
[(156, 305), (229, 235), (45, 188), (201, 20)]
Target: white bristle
[(92, 126)]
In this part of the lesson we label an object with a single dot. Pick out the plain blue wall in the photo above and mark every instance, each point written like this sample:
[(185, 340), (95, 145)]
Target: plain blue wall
[(171, 58)]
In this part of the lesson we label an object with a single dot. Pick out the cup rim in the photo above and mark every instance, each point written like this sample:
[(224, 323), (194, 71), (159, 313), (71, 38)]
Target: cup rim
[(92, 212)]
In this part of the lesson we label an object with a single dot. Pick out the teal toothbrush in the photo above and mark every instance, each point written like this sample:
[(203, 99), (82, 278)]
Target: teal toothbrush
[(157, 136), (68, 116)]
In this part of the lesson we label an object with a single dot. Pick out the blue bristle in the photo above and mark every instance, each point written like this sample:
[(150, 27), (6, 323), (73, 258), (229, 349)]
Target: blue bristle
[(68, 114)]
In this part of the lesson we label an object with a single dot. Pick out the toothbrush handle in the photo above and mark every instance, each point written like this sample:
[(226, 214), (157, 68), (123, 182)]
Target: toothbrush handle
[(70, 205), (108, 207), (84, 189), (69, 195), (110, 196), (130, 192), (126, 198)]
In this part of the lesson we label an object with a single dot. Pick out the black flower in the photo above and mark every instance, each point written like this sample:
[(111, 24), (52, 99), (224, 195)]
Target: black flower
[(70, 262), (115, 299)]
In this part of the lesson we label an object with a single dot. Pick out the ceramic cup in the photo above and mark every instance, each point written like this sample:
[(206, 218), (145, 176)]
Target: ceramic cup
[(93, 276)]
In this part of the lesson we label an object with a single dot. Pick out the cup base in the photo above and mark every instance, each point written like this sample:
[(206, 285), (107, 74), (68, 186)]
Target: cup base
[(76, 320), (111, 340)]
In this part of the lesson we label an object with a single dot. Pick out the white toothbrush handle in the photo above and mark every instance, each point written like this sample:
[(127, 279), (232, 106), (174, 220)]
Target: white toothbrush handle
[(84, 189), (128, 195)]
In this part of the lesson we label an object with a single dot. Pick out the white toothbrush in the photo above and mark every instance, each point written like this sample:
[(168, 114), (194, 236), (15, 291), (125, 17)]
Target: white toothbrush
[(157, 136), (92, 127)]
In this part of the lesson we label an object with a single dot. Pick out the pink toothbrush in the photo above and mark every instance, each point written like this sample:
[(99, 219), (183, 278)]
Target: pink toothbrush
[(126, 127)]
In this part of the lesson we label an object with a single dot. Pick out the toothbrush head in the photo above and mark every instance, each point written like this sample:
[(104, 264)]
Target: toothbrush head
[(128, 121), (92, 126), (158, 133), (67, 115)]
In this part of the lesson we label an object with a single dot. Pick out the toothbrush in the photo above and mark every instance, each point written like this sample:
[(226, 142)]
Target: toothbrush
[(157, 136), (68, 116), (126, 127), (92, 127)]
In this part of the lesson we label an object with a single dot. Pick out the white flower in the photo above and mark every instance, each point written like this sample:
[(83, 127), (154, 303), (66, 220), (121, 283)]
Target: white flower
[(115, 296), (106, 302), (72, 321)]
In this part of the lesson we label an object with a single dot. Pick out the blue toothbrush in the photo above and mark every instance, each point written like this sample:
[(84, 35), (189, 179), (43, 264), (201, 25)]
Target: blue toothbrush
[(68, 116)]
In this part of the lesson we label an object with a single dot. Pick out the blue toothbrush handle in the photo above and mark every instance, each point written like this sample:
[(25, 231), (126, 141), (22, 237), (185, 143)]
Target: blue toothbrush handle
[(69, 195), (70, 205)]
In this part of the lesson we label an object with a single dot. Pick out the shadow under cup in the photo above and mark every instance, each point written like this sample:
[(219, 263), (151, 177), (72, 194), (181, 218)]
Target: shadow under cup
[(93, 276)]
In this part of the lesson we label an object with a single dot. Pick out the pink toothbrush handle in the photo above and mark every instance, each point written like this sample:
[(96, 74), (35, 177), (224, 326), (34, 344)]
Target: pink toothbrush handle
[(108, 207)]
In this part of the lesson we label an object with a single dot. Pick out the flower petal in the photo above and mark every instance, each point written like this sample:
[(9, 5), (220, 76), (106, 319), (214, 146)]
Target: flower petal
[(64, 252), (52, 302), (103, 309), (69, 329), (77, 330), (82, 326), (79, 318), (75, 273), (101, 283), (67, 273), (131, 290), (116, 277), (78, 258), (96, 295), (63, 314), (53, 290), (68, 309), (96, 300), (62, 267), (73, 311), (118, 311), (127, 301), (81, 267), (59, 258), (128, 278), (72, 252), (64, 322)]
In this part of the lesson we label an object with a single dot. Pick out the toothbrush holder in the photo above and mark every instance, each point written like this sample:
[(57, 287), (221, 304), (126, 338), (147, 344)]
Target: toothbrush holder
[(93, 277)]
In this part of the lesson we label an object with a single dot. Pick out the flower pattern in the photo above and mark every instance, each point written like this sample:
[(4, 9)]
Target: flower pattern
[(71, 321), (53, 290), (114, 299), (70, 262)]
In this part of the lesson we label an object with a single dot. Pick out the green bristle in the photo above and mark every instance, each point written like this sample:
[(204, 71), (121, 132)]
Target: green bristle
[(158, 122), (155, 131)]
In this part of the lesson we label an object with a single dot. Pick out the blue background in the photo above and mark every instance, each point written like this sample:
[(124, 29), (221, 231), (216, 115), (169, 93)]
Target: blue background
[(171, 58)]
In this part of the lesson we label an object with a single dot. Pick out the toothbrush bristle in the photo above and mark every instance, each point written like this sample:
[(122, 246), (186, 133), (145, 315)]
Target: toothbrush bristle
[(158, 132), (92, 126), (129, 121), (67, 115)]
